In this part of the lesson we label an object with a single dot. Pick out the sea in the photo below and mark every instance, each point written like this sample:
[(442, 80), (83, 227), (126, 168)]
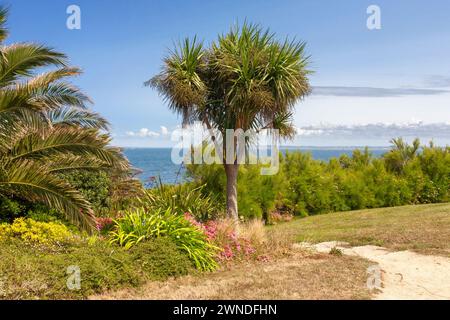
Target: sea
[(156, 162)]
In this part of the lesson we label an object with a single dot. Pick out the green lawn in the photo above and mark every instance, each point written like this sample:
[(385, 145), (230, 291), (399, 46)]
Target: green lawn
[(422, 228)]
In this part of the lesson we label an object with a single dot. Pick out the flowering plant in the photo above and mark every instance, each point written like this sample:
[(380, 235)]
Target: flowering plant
[(223, 234), (104, 225)]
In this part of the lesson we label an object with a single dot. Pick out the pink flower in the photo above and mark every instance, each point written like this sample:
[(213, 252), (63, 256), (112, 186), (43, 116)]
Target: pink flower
[(102, 223), (232, 245)]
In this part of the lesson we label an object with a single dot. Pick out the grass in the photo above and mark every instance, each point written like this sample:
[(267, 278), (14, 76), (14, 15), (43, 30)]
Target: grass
[(299, 276), (421, 228)]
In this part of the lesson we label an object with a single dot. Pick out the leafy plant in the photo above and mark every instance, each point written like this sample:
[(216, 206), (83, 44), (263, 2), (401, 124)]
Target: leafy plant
[(138, 225), (336, 252), (182, 198)]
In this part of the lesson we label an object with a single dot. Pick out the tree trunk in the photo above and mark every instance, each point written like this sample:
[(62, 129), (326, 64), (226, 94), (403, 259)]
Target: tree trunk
[(231, 171)]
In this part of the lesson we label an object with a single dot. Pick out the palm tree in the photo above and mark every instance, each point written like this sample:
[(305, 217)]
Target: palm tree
[(46, 129), (245, 80)]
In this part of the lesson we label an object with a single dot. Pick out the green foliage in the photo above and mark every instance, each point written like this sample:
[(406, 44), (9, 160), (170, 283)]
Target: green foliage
[(10, 209), (138, 225), (43, 272), (258, 191), (304, 186), (93, 185), (336, 252), (181, 199)]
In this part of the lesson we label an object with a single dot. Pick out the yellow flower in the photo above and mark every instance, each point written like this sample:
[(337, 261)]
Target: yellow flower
[(35, 232)]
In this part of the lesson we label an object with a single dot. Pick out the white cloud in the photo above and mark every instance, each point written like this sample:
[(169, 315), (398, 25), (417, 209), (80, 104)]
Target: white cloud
[(164, 131), (414, 128), (437, 81), (142, 133), (147, 133), (373, 92)]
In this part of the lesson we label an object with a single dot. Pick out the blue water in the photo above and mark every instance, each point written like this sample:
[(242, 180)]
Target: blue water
[(154, 162)]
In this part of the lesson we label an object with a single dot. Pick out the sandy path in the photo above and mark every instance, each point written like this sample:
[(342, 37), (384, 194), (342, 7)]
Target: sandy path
[(404, 274)]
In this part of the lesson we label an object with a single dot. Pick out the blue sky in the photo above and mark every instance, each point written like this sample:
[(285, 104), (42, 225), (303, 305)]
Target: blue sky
[(368, 84)]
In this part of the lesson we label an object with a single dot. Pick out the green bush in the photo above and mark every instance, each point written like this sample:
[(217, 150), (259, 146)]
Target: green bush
[(259, 191), (27, 273), (10, 209), (181, 199), (93, 185), (138, 225), (304, 186)]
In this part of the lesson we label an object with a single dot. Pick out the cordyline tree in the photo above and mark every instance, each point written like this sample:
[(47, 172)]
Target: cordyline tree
[(245, 80)]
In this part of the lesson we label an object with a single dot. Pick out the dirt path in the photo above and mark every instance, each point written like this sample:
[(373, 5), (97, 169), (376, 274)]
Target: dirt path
[(404, 274)]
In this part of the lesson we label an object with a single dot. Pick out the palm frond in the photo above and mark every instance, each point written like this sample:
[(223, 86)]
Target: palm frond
[(62, 140), (3, 18), (75, 117), (30, 180), (180, 82), (42, 98), (21, 59), (70, 162)]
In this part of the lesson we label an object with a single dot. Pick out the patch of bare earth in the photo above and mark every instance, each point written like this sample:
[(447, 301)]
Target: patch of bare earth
[(298, 276), (404, 274)]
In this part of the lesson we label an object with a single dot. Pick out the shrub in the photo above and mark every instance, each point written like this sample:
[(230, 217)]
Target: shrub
[(43, 273), (182, 198), (257, 193), (10, 209), (35, 232), (93, 185), (304, 186), (160, 258), (138, 225), (241, 244), (104, 225)]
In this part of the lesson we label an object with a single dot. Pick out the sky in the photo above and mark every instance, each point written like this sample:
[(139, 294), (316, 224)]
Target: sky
[(368, 85)]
